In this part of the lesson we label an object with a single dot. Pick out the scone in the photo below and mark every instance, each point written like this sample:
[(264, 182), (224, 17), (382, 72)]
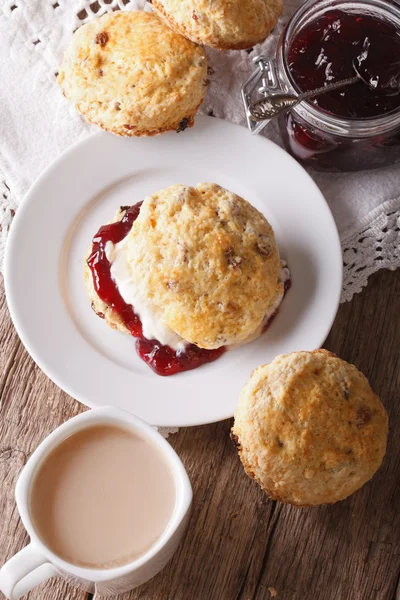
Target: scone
[(131, 74), (309, 428), (223, 24), (192, 268)]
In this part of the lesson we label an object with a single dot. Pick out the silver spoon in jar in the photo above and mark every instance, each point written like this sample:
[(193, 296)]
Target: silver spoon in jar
[(274, 105)]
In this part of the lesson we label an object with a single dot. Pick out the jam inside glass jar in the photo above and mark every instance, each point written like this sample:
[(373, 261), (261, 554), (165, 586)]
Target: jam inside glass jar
[(357, 127), (324, 51)]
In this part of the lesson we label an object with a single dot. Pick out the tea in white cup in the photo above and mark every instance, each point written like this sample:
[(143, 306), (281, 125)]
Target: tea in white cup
[(102, 497), (105, 500)]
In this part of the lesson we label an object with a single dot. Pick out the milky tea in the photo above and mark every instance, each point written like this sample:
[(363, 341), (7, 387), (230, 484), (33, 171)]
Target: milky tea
[(103, 497)]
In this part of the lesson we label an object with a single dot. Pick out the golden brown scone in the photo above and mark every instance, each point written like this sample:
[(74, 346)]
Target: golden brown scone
[(132, 75), (309, 428), (208, 259), (102, 310), (223, 24)]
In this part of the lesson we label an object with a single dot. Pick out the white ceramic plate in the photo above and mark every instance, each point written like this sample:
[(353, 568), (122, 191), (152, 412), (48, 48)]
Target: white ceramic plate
[(82, 190)]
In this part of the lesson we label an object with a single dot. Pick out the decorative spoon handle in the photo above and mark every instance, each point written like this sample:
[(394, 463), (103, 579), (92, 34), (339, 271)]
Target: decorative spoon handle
[(329, 88), (270, 107)]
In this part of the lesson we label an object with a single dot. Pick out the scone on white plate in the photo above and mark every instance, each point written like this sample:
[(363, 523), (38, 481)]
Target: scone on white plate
[(198, 267), (130, 74)]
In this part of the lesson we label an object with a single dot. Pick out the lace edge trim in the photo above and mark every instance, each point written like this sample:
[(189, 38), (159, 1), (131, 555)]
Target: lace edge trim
[(374, 247)]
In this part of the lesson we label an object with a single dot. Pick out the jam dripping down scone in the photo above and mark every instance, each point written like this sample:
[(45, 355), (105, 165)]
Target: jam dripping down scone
[(188, 272), (130, 74), (221, 24), (309, 428)]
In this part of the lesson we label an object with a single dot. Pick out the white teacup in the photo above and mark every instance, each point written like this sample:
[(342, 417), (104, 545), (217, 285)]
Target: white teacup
[(37, 563)]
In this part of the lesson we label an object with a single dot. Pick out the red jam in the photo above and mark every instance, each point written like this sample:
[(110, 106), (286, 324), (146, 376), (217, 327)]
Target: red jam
[(101, 269), (162, 359), (324, 50), (166, 361)]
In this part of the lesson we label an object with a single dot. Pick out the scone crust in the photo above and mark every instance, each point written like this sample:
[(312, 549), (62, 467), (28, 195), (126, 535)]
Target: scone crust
[(208, 259), (130, 74), (309, 428), (222, 24)]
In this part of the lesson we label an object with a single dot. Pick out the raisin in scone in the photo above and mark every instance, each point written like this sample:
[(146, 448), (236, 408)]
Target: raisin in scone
[(309, 428), (129, 73), (204, 260), (223, 24)]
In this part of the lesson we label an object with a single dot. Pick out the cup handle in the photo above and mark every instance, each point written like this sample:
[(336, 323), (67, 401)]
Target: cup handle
[(24, 571)]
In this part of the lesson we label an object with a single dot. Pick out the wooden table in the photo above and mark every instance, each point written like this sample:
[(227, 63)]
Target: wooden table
[(240, 545)]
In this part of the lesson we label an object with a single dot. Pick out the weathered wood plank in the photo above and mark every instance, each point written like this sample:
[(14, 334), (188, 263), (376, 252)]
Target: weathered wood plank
[(241, 545)]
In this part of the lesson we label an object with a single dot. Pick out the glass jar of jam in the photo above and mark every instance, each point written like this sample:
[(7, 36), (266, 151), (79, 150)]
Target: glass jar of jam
[(354, 128)]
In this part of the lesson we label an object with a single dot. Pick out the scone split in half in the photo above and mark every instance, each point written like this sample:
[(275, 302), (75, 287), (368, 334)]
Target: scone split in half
[(189, 272), (309, 428), (129, 73)]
